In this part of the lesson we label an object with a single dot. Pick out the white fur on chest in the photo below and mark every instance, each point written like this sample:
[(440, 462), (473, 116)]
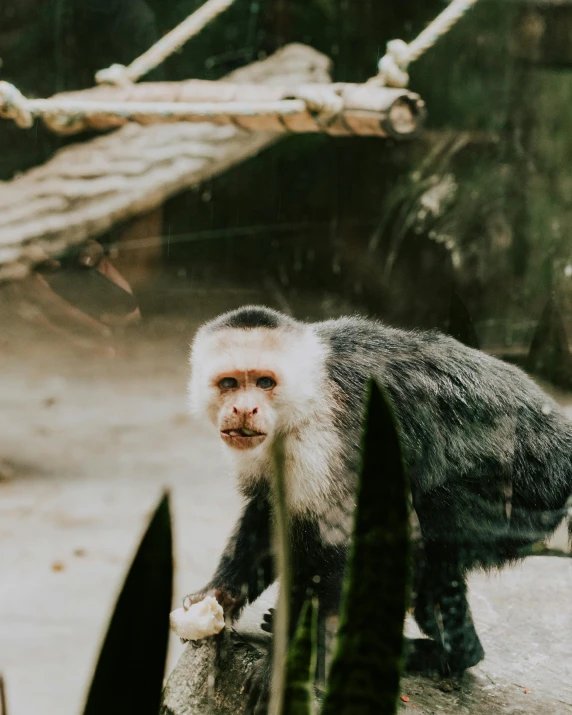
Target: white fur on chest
[(311, 463)]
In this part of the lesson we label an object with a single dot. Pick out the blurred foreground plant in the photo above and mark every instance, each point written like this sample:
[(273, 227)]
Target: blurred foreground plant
[(365, 671), (129, 673)]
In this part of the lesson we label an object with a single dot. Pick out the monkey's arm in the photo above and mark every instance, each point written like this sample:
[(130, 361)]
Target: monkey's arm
[(317, 569), (245, 568)]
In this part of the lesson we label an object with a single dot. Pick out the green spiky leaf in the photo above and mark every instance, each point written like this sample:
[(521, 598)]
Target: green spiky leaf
[(129, 673), (364, 676), (3, 702), (301, 663)]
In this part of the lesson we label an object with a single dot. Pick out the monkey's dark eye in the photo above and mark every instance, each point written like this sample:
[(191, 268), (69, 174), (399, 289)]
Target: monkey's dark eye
[(228, 383), (265, 383)]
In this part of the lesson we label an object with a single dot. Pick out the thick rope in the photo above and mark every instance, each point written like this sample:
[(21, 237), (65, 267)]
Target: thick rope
[(13, 105), (336, 109), (163, 48), (323, 102), (399, 55)]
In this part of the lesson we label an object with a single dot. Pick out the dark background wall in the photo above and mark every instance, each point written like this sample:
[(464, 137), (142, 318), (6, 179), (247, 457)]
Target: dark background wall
[(480, 202)]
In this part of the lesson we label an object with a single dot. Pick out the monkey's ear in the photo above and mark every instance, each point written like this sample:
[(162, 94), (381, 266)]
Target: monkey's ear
[(367, 663), (461, 326)]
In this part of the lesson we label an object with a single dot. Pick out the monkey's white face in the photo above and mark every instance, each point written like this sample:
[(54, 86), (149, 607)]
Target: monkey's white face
[(246, 414), (256, 384), (253, 384)]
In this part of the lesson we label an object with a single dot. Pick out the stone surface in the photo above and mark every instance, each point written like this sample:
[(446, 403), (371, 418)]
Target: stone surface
[(88, 446), (522, 615)]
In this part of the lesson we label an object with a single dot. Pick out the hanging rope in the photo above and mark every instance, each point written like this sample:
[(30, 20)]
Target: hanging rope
[(165, 47), (399, 55)]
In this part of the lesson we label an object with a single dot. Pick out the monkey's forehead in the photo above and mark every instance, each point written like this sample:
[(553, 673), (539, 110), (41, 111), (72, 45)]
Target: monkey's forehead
[(282, 351)]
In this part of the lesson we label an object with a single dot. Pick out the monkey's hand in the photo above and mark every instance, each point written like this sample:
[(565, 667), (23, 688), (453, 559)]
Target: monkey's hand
[(231, 603), (268, 621), (258, 686)]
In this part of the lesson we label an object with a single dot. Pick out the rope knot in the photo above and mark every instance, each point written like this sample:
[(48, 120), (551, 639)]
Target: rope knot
[(399, 55), (324, 102), (13, 105), (393, 65), (116, 74)]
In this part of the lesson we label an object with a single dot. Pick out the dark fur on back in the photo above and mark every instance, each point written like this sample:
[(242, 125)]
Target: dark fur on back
[(489, 457), (477, 433)]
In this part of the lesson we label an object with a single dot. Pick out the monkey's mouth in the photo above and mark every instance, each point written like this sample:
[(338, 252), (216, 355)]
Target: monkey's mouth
[(242, 437)]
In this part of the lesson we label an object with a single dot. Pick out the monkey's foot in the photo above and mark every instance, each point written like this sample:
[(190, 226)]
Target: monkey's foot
[(422, 656), (426, 656), (258, 687)]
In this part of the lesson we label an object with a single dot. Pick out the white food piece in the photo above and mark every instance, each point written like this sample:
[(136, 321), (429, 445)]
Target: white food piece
[(202, 619)]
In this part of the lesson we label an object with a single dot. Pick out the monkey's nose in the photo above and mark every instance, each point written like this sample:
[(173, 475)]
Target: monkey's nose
[(248, 412)]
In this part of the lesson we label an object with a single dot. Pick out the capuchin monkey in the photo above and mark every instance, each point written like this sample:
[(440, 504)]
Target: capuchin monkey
[(489, 458)]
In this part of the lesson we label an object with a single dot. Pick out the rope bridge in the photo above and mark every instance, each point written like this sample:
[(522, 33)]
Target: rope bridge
[(380, 107)]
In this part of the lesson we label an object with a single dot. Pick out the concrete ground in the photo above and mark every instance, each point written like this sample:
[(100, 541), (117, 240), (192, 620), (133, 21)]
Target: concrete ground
[(86, 447), (524, 619)]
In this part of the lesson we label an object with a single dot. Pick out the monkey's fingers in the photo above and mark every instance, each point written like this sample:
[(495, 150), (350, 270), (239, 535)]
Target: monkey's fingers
[(229, 601), (267, 621), (193, 598)]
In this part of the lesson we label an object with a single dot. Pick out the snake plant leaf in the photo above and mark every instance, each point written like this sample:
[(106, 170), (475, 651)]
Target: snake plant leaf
[(365, 670), (301, 663), (3, 702), (129, 674)]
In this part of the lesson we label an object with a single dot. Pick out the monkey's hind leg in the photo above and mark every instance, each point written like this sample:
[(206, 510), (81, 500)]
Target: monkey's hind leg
[(442, 612)]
